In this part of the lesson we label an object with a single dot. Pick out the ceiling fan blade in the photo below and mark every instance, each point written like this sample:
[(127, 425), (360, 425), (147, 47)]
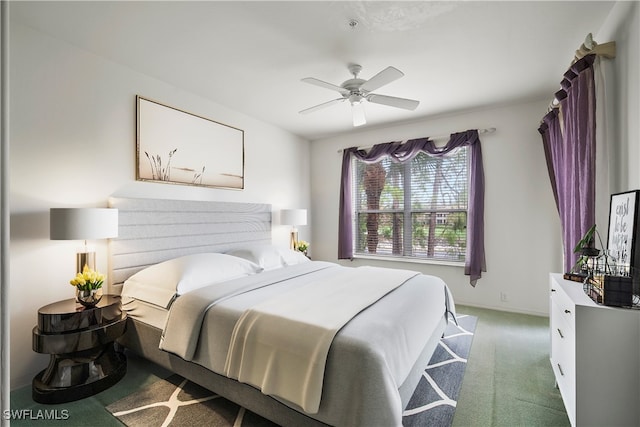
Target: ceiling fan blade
[(358, 114), (392, 101), (316, 82), (321, 106), (384, 77)]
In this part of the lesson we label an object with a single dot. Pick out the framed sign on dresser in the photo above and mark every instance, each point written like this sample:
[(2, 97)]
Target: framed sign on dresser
[(622, 242)]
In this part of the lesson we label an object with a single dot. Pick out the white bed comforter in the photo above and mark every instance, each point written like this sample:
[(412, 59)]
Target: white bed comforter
[(368, 360), (280, 345)]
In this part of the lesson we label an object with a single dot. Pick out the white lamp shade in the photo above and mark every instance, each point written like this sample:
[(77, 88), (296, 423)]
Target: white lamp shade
[(83, 223), (293, 217)]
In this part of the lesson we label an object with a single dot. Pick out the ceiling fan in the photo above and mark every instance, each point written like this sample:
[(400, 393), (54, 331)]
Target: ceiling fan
[(356, 91)]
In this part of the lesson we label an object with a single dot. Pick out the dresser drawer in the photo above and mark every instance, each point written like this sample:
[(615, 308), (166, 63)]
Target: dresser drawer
[(562, 342), (563, 356), (566, 308)]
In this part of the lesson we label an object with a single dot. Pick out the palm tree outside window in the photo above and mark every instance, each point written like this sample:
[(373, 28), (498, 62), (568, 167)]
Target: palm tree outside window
[(415, 200)]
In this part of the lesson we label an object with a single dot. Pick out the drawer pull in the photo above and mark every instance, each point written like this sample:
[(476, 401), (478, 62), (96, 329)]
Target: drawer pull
[(553, 290), (560, 369), (560, 333), (568, 311)]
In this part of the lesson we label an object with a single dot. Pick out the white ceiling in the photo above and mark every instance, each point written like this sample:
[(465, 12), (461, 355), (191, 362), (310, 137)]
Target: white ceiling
[(250, 56)]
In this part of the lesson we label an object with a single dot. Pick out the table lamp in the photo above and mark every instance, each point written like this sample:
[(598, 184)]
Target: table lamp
[(83, 224), (293, 217)]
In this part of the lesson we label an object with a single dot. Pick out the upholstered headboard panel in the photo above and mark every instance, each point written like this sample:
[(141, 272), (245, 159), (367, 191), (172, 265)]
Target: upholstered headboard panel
[(155, 230)]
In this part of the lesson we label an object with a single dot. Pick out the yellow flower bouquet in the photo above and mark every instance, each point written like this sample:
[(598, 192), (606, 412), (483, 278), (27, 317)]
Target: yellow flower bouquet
[(88, 280), (302, 246), (88, 286)]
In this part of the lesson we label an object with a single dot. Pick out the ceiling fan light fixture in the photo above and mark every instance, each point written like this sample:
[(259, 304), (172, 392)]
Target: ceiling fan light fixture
[(355, 98), (357, 111)]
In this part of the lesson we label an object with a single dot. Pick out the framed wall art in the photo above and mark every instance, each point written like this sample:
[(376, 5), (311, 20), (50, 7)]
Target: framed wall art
[(622, 241), (173, 146)]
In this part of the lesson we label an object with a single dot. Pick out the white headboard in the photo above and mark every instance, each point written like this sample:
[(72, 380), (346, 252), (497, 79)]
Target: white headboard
[(155, 230)]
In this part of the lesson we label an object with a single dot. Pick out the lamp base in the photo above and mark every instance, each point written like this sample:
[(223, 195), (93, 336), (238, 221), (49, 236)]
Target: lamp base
[(294, 240), (87, 259)]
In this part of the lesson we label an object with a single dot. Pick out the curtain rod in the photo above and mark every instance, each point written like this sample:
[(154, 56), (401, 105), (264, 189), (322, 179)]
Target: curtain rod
[(480, 131), (606, 50)]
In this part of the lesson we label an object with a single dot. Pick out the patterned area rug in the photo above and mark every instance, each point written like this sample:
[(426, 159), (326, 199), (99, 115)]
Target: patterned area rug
[(176, 402), (434, 401)]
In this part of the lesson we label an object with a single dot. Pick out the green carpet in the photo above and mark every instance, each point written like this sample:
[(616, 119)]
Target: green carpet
[(508, 380)]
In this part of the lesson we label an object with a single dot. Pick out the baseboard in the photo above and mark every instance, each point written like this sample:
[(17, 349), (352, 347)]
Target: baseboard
[(506, 309)]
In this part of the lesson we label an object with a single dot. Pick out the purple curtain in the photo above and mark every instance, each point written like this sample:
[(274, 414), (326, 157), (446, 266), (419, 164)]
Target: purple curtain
[(569, 144), (552, 142), (398, 152)]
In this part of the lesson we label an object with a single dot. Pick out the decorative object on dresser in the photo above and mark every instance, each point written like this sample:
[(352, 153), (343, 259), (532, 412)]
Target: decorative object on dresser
[(293, 217), (622, 243), (594, 355), (177, 147), (80, 341), (604, 281), (611, 290), (83, 224), (588, 253)]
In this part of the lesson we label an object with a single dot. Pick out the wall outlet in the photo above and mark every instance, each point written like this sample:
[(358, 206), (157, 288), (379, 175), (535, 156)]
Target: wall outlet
[(504, 297)]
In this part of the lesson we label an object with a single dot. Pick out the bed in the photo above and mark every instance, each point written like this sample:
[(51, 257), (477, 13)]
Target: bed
[(370, 361)]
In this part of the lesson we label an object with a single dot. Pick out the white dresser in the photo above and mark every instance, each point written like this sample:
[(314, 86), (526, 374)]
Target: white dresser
[(595, 354)]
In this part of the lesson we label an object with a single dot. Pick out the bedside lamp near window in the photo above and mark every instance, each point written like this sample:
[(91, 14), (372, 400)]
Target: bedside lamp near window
[(293, 217), (83, 224)]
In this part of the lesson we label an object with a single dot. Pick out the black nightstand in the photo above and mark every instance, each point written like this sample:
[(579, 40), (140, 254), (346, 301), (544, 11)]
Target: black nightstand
[(80, 341)]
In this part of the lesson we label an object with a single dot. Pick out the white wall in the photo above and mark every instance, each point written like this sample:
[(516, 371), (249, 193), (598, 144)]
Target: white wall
[(521, 221), (623, 26), (73, 144)]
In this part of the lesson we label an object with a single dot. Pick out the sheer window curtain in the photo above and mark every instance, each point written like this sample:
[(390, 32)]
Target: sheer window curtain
[(475, 262), (576, 151)]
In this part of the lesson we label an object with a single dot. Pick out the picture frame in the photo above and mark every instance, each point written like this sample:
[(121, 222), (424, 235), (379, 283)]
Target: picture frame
[(177, 147), (622, 242)]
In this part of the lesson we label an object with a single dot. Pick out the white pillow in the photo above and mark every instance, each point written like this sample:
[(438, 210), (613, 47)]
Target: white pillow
[(291, 257), (266, 256), (269, 257), (160, 283)]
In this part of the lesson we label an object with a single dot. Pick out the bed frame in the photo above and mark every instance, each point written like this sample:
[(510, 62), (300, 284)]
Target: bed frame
[(152, 231)]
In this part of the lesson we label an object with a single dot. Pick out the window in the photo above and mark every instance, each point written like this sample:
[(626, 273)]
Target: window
[(414, 209)]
